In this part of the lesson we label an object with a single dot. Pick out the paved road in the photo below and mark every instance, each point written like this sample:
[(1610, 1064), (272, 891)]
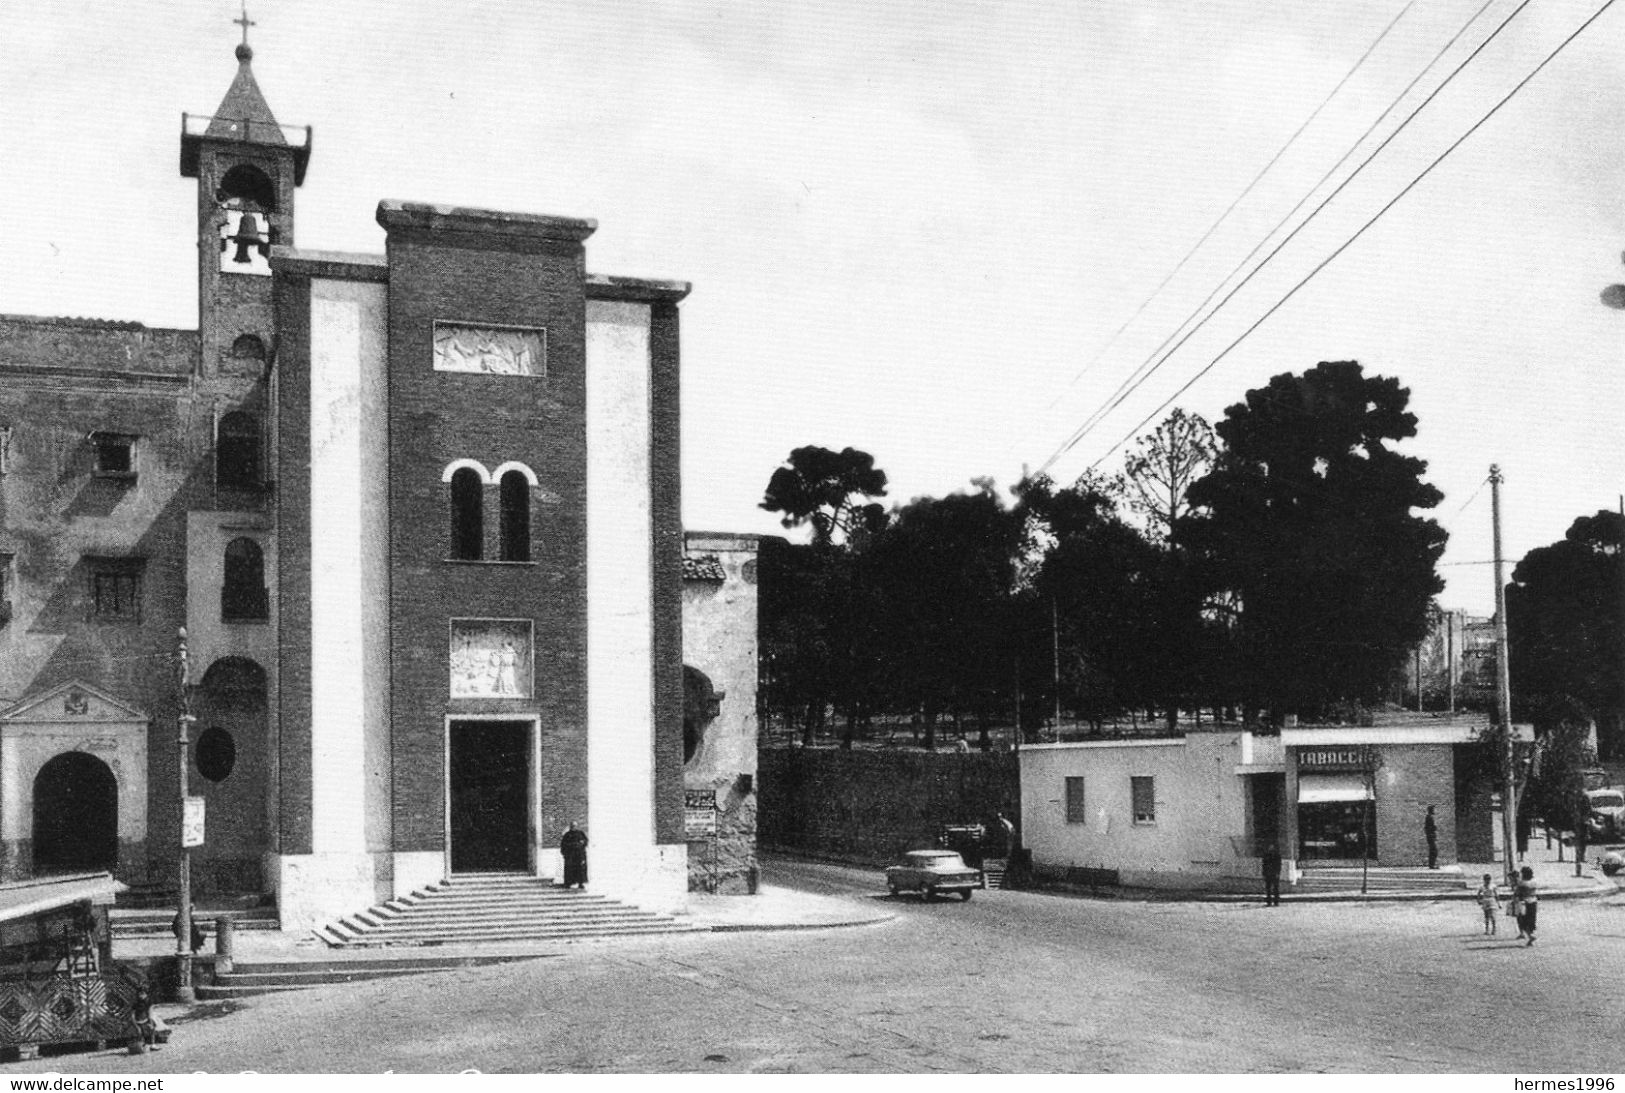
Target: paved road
[(1012, 982)]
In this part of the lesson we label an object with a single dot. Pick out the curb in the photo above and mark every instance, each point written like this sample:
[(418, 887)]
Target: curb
[(784, 927)]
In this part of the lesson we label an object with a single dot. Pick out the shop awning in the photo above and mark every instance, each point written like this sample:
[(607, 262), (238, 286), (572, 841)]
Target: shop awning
[(1314, 789)]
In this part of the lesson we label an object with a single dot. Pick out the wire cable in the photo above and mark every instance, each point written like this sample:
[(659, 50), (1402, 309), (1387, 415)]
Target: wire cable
[(1189, 254), (1133, 381), (1344, 246)]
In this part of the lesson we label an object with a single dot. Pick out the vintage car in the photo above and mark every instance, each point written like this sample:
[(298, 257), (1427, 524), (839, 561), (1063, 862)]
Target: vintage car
[(929, 872), (1607, 821)]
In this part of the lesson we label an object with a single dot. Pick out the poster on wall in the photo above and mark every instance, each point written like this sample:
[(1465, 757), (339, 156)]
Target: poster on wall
[(490, 658), (192, 822)]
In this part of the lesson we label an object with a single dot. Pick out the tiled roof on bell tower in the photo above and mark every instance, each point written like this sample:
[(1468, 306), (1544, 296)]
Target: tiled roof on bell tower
[(244, 114)]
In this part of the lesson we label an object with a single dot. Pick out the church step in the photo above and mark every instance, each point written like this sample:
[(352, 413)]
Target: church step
[(441, 924), (492, 907), (536, 933)]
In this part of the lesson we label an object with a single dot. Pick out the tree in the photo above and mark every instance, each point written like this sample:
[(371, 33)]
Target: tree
[(1163, 465), (943, 574), (1563, 624), (1557, 789), (825, 488), (1308, 519)]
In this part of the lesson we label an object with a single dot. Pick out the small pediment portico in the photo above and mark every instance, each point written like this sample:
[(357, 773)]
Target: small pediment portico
[(72, 702)]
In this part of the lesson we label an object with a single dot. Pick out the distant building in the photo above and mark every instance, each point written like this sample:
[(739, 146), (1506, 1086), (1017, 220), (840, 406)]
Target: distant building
[(1197, 810)]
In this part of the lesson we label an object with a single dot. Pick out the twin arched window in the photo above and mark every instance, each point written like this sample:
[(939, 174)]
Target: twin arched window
[(468, 481)]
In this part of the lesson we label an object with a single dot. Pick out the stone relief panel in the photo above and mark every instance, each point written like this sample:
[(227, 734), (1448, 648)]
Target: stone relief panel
[(490, 658), (492, 351)]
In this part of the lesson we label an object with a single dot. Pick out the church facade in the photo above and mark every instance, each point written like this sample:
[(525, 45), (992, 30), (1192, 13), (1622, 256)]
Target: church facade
[(418, 513)]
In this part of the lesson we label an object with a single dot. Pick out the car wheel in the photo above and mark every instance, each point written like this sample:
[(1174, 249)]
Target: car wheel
[(964, 895), (894, 891), (930, 894)]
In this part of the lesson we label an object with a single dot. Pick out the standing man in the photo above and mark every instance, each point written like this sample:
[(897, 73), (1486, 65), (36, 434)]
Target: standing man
[(1431, 830), (573, 846), (1272, 875)]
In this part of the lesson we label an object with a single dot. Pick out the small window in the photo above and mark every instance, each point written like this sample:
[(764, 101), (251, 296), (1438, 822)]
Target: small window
[(216, 754), (1075, 813), (237, 451), (1145, 800), (248, 347), (515, 491), (5, 589), (5, 449), (115, 590), (467, 515), (243, 596), (115, 454)]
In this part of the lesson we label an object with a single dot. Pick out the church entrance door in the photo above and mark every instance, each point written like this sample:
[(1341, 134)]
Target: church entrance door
[(489, 791), (75, 815)]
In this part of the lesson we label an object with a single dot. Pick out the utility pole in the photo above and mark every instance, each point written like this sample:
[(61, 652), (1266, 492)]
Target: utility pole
[(1450, 657), (183, 936), (1055, 659), (1503, 681), (1622, 613)]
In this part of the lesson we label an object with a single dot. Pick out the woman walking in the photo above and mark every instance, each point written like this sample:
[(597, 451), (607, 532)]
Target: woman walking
[(1528, 904)]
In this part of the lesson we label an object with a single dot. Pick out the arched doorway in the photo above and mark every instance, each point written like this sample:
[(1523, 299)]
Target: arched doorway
[(75, 815)]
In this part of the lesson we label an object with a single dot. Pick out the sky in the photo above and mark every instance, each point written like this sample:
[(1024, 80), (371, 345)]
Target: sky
[(934, 231)]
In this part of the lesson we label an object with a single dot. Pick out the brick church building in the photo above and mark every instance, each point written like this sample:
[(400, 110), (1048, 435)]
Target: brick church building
[(418, 513)]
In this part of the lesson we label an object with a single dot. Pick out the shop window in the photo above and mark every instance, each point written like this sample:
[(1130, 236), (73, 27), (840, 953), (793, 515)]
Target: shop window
[(237, 451), (515, 499), (115, 590), (115, 454), (1144, 795), (1075, 813), (243, 596), (467, 515), (216, 754)]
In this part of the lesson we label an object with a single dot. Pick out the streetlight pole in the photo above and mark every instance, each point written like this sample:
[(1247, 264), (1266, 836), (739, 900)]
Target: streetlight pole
[(183, 936), (1503, 680)]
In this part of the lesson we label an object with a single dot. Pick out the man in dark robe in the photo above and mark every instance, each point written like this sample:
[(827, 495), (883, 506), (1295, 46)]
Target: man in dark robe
[(573, 845), (1271, 865), (1430, 830)]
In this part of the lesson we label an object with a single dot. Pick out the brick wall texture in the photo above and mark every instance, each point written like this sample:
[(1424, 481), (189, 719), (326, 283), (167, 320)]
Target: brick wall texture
[(876, 805)]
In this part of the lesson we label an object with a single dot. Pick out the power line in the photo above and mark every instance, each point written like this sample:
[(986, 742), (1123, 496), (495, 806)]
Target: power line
[(1152, 362), (1367, 225), (1238, 200)]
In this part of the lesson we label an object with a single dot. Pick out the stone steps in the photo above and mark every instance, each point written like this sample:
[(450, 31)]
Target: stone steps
[(272, 977), (492, 908), (128, 923), (1385, 879)]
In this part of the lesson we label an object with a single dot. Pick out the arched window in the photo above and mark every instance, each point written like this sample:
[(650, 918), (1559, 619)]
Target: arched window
[(467, 515), (249, 199), (244, 596), (515, 517), (248, 347), (237, 451)]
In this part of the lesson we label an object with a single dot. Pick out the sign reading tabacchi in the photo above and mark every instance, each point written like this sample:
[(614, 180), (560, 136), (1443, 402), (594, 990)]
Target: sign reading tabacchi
[(700, 812), (1334, 759)]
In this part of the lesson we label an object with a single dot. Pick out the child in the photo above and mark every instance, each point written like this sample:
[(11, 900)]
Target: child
[(1489, 903)]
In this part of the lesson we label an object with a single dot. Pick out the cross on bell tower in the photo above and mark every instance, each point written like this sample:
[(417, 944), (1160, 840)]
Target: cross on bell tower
[(247, 166)]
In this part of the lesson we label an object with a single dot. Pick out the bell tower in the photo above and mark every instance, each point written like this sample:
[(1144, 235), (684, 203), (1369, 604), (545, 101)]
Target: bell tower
[(247, 166)]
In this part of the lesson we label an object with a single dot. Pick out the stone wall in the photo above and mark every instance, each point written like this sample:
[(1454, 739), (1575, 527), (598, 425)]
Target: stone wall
[(875, 805)]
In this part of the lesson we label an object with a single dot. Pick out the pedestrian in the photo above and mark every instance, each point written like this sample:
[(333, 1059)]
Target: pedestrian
[(1528, 904), (145, 1029), (1431, 829), (1010, 839), (197, 929), (1490, 904), (573, 845), (1271, 866)]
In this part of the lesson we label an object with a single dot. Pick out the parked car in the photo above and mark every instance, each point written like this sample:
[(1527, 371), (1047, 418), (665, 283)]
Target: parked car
[(1607, 821), (930, 872)]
